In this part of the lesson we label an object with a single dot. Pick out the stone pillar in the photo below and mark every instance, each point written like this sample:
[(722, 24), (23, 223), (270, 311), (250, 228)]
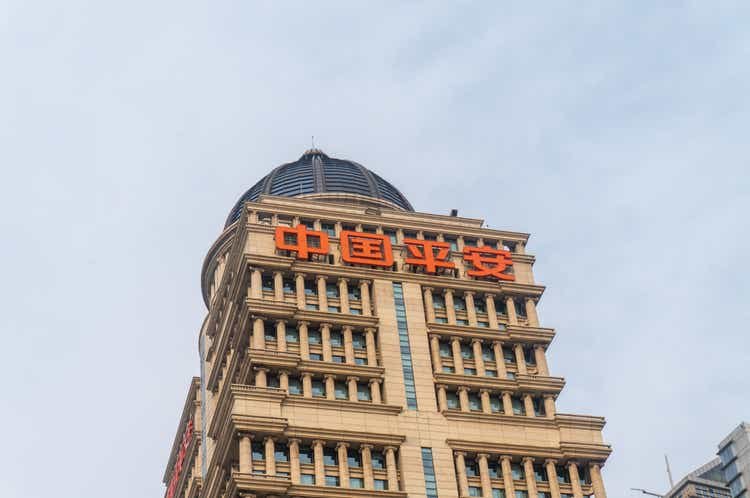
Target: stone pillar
[(528, 469), (256, 284), (497, 346), (510, 490), (330, 387), (299, 286), (307, 384), (485, 395), (246, 454), (322, 296), (375, 391), (554, 486), (541, 360), (476, 345), (463, 398), (463, 481), (364, 289), (429, 305), (351, 383), (325, 334), (471, 311), (575, 480), (596, 480), (460, 243), (278, 286), (344, 295), (320, 469), (510, 306), (507, 404), (531, 312), (549, 405), (261, 379), (341, 448), (304, 344), (259, 335), (284, 381), (372, 355), (437, 364), (484, 475), (520, 358), (270, 448), (390, 468), (366, 452), (281, 335), (399, 236), (450, 310), (458, 360), (442, 399), (528, 404), (348, 344), (492, 314)]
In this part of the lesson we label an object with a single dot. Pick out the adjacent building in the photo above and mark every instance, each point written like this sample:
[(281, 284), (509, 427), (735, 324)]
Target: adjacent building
[(707, 481), (354, 347), (734, 452)]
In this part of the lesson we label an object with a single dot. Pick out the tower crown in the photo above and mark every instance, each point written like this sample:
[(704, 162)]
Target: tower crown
[(317, 175)]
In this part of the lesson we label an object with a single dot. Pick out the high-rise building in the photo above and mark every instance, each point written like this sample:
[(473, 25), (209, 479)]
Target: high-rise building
[(707, 481), (354, 347), (734, 452)]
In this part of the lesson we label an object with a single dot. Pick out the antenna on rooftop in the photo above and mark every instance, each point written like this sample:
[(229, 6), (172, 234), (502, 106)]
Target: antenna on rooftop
[(312, 141), (669, 472)]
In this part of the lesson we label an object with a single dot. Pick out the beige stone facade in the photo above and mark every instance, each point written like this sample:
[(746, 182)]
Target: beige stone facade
[(325, 379)]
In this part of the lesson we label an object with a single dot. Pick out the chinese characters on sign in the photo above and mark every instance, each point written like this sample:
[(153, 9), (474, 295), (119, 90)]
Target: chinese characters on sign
[(376, 250), (187, 437)]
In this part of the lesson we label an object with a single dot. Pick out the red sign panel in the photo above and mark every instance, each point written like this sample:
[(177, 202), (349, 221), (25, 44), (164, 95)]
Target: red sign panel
[(187, 437)]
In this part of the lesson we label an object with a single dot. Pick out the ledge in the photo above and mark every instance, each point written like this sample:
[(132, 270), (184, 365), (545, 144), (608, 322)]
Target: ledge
[(336, 318), (343, 405), (265, 261), (499, 419), (349, 369), (512, 333), (580, 421), (305, 491), (270, 309), (524, 333), (281, 359), (341, 435), (565, 450), (257, 483), (522, 382), (540, 383)]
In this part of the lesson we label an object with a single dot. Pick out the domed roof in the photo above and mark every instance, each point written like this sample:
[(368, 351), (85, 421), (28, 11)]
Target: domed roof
[(316, 173)]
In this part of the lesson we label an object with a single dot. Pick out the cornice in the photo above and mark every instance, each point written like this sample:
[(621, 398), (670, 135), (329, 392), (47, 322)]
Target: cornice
[(343, 405), (336, 318), (339, 435), (305, 491), (270, 309), (587, 451), (565, 450), (569, 421), (522, 383), (346, 369), (499, 419), (256, 483)]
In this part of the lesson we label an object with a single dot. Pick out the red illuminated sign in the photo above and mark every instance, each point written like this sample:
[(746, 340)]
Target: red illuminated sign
[(366, 248), (187, 437)]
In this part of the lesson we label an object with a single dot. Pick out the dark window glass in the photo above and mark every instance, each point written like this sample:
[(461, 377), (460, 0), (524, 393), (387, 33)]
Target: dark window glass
[(378, 460), (428, 467), (305, 454)]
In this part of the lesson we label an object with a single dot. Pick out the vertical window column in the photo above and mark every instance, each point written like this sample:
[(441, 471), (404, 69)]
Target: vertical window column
[(320, 470), (510, 490), (575, 480), (463, 482), (491, 314), (256, 284), (344, 295), (351, 383), (330, 381), (278, 286), (259, 335), (531, 312), (497, 347), (428, 467), (528, 470), (596, 480), (507, 403), (463, 398), (450, 310), (485, 396), (549, 405), (366, 452), (261, 379), (403, 337), (437, 364), (364, 290), (471, 311), (391, 469), (284, 380), (428, 304), (442, 398), (307, 384), (348, 345), (281, 335), (246, 454), (322, 295), (325, 333), (343, 458), (270, 447), (304, 345), (476, 344), (520, 359), (484, 475), (528, 404), (299, 286), (458, 359), (554, 485), (510, 307), (372, 356), (541, 360)]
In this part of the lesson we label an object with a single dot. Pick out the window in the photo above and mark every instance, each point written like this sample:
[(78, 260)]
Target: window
[(358, 340), (291, 334), (355, 311), (488, 354), (353, 458), (378, 460), (314, 337), (470, 371), (360, 361), (480, 305), (472, 469), (540, 474), (328, 228), (726, 454), (316, 356), (563, 476), (381, 485), (281, 452), (538, 407), (403, 336), (490, 373), (363, 392), (311, 307), (311, 289), (308, 479), (496, 406), (391, 234), (546, 494), (448, 369), (267, 282), (452, 400), (475, 491), (508, 355), (501, 306), (269, 331), (517, 472), (428, 468), (337, 359), (330, 456), (467, 351), (518, 406), (295, 386), (520, 308), (459, 304), (445, 350), (498, 493), (452, 242), (258, 450), (336, 339), (528, 354), (461, 321), (273, 381), (341, 391), (470, 243), (289, 287), (305, 455), (354, 293), (438, 302), (510, 375), (430, 236), (332, 481), (521, 494), (494, 468), (332, 290), (482, 324), (440, 319), (318, 389), (356, 482), (736, 486), (334, 309)]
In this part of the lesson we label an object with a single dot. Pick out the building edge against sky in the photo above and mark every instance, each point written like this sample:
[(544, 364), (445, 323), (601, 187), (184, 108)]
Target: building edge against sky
[(355, 347)]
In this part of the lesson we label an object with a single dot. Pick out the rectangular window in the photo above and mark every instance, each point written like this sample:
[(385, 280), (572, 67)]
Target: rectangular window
[(305, 455), (518, 406), (391, 235), (521, 494), (452, 400), (330, 456), (475, 491), (428, 467), (316, 356), (308, 479), (281, 453), (438, 302), (445, 350), (332, 481), (267, 282), (490, 373), (269, 331), (452, 242), (483, 324), (334, 309), (475, 404), (358, 340), (496, 405), (292, 335), (498, 493), (467, 352), (470, 371), (328, 228), (448, 369), (461, 321), (459, 304), (314, 337), (341, 391), (332, 290), (517, 472), (356, 482), (363, 392), (403, 336), (336, 339), (353, 458), (726, 454), (381, 485), (378, 460), (295, 386), (258, 450), (289, 286), (494, 468), (472, 469), (311, 288), (337, 359), (540, 473), (318, 389)]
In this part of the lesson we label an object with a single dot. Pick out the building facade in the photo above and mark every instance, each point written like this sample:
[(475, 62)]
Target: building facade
[(707, 481), (734, 452), (355, 347)]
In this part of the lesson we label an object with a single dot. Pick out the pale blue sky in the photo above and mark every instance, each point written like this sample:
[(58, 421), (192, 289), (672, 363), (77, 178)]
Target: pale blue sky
[(616, 133)]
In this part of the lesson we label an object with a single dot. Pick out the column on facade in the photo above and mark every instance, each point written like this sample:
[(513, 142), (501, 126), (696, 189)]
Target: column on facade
[(520, 358), (364, 290), (463, 398), (471, 311), (484, 475), (554, 486), (259, 334), (299, 287), (528, 404), (507, 403), (450, 309), (437, 363), (429, 305), (281, 335), (510, 490), (372, 356), (348, 344), (284, 380), (261, 378), (442, 398), (528, 470), (256, 284), (575, 480), (344, 294), (390, 468), (330, 381), (320, 469), (484, 395), (322, 295), (491, 311), (304, 344), (351, 384), (497, 347), (458, 359), (375, 391), (342, 448), (595, 471), (463, 481), (541, 360), (366, 453), (476, 345), (246, 454), (270, 450), (510, 306), (325, 334), (531, 312), (307, 384), (278, 286), (549, 405)]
